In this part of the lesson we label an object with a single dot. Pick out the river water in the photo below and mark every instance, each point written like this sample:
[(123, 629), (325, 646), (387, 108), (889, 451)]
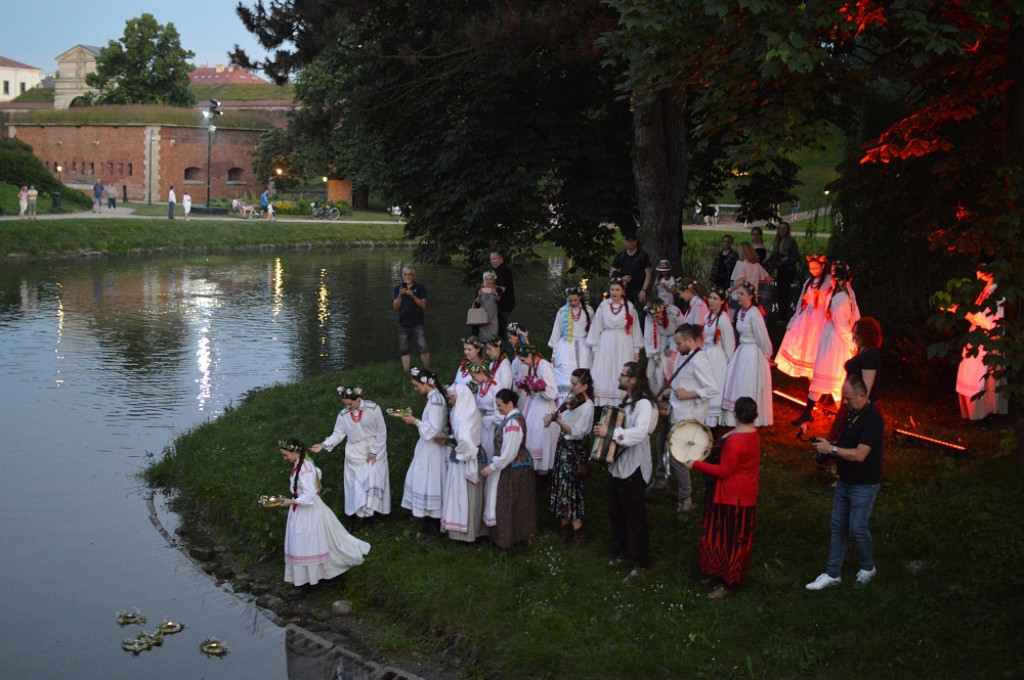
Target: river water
[(103, 363)]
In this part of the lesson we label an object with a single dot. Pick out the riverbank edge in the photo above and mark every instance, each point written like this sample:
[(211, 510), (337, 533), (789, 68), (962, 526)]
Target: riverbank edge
[(149, 252)]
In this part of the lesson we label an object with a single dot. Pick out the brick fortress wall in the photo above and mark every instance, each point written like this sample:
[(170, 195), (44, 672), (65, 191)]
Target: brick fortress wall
[(145, 160)]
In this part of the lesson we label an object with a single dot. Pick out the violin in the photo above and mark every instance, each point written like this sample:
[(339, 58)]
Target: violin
[(570, 403)]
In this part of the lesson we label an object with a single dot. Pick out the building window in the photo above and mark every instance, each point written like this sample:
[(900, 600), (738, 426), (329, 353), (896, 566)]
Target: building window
[(193, 174), (7, 87), (23, 88), (92, 168), (235, 175), (129, 169), (120, 170)]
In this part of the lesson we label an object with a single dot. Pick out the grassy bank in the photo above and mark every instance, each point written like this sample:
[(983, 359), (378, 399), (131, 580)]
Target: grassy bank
[(42, 238), (946, 602)]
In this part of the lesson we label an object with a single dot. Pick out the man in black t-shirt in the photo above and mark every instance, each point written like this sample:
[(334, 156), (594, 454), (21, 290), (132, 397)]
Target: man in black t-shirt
[(410, 300), (858, 454), (634, 266)]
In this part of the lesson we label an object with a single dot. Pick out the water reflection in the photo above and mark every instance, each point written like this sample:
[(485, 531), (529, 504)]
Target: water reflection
[(106, 360)]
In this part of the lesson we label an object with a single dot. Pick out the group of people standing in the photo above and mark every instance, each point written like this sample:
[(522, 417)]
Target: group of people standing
[(28, 197)]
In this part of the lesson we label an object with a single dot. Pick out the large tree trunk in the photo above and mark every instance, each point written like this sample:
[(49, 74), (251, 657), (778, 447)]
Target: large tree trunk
[(660, 168)]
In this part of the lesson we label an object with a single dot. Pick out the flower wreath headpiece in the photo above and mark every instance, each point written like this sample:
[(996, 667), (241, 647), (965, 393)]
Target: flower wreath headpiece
[(281, 444), (350, 392), (474, 341), (424, 376), (574, 290)]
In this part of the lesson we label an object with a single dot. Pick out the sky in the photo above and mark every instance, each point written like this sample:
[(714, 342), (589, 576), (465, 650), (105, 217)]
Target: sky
[(36, 31)]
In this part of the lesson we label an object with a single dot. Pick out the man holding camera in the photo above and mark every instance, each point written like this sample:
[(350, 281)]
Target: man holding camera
[(858, 457), (409, 301)]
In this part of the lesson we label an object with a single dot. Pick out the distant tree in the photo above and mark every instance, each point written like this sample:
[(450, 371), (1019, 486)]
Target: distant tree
[(147, 66)]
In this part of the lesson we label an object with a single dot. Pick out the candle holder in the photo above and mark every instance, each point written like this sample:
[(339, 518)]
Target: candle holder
[(169, 627), (400, 412), (270, 501), (213, 647), (136, 644)]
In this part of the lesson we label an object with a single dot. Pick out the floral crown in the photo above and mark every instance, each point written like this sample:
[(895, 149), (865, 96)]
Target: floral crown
[(616, 280), (820, 259), (495, 341), (749, 287), (574, 290), (423, 375), (654, 307), (841, 271), (515, 329), (350, 392), (288, 446), (526, 349), (477, 368), (474, 341)]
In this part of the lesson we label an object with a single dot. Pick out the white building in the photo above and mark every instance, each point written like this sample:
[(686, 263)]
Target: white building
[(16, 78)]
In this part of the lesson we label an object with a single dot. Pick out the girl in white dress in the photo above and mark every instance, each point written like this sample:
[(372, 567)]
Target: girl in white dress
[(316, 545), (616, 338), (473, 353), (748, 373), (424, 482), (569, 338), (800, 344), (462, 516), (538, 394), (836, 346), (659, 344), (574, 425), (367, 484), (517, 335), (719, 343), (665, 284), (696, 307), (486, 389), (498, 364)]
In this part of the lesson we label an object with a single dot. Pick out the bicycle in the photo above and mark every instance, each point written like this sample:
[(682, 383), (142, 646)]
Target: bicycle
[(323, 211)]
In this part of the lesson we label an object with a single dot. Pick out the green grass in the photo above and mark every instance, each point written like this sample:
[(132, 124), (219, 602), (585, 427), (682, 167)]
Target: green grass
[(243, 92), (131, 235), (36, 94), (71, 200), (946, 602), (138, 114)]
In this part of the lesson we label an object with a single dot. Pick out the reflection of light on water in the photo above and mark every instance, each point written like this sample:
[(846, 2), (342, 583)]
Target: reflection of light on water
[(204, 362), (322, 312), (60, 334), (556, 267), (278, 285)]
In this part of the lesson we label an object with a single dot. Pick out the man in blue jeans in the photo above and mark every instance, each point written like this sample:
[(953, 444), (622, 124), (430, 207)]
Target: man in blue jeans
[(410, 300), (858, 455)]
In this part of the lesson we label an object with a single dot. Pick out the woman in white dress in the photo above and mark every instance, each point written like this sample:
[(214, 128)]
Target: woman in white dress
[(517, 335), (973, 377), (719, 343), (749, 373), (659, 344), (747, 269), (473, 353), (800, 344), (574, 424), (367, 484), (616, 338), (462, 516), (424, 482), (696, 307), (486, 390), (498, 364), (538, 394), (836, 345), (316, 545), (569, 338)]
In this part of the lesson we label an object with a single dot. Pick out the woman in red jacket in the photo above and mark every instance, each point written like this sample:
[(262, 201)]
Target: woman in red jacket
[(727, 533)]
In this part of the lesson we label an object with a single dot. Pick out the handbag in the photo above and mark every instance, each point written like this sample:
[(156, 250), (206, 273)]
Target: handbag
[(477, 316)]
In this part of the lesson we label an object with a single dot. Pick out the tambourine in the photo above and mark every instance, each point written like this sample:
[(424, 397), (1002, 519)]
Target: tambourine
[(689, 440)]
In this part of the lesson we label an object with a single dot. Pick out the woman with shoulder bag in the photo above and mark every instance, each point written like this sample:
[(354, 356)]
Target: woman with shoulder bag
[(483, 315)]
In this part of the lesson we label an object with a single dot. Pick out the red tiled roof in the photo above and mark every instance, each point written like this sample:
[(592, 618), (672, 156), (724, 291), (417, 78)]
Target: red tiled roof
[(10, 63), (223, 74)]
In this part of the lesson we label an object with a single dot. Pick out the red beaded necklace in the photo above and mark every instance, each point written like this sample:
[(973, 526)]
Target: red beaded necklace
[(356, 414)]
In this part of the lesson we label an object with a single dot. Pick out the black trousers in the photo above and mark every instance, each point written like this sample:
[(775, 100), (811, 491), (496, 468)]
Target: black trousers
[(627, 513)]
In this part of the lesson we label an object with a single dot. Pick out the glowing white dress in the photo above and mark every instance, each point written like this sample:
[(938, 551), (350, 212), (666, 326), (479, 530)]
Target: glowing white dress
[(367, 484), (803, 333), (540, 440), (613, 346), (974, 377), (748, 373), (719, 343), (316, 545), (568, 342), (835, 347)]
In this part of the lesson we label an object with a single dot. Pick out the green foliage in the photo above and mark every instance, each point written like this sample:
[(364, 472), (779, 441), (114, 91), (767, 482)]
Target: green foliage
[(23, 168), (147, 66), (36, 94), (546, 610), (243, 91)]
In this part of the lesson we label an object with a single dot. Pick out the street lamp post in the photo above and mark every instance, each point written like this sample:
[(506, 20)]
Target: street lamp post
[(210, 114), (149, 172)]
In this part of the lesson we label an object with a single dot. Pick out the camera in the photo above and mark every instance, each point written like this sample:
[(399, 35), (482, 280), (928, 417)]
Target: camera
[(822, 458)]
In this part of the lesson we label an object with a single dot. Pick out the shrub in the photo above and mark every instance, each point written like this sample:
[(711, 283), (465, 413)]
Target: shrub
[(20, 167)]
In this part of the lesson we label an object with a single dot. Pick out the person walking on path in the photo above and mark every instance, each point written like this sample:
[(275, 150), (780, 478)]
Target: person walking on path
[(111, 196), (33, 197), (97, 197), (410, 301), (186, 204), (171, 200), (22, 202)]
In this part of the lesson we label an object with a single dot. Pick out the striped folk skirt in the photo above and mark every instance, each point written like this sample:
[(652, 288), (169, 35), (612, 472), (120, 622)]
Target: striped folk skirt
[(726, 539)]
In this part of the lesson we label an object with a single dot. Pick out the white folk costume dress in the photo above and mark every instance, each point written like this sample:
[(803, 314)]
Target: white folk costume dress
[(749, 373), (486, 404), (697, 311), (719, 343), (367, 484), (803, 333), (660, 346), (510, 506), (462, 374), (462, 516), (316, 545), (974, 377), (663, 289), (836, 346), (616, 338), (501, 370), (424, 482), (540, 440), (568, 342)]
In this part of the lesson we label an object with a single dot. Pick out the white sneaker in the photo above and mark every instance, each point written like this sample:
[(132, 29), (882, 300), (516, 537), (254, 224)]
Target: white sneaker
[(865, 575), (823, 581)]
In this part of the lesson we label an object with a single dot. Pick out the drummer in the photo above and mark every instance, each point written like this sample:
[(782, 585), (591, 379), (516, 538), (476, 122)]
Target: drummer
[(690, 396)]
